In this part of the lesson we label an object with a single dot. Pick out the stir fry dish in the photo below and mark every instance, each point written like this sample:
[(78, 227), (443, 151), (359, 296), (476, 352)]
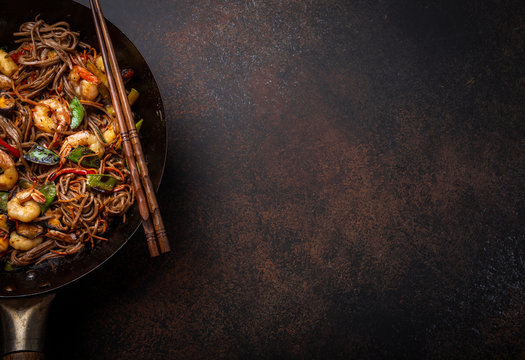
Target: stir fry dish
[(63, 175)]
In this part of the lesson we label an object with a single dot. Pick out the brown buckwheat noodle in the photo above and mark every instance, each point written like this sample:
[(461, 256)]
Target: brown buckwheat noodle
[(79, 216)]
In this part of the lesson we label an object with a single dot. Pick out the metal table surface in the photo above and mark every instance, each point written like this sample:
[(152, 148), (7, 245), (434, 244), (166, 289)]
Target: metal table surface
[(345, 179)]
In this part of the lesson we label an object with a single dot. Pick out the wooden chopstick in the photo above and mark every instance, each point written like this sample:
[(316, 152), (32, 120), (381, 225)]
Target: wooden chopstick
[(146, 199)]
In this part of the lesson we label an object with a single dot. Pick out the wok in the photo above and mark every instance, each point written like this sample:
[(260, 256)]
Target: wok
[(36, 285)]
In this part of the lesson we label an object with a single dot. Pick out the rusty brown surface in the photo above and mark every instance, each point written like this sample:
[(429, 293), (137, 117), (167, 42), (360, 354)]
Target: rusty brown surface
[(344, 180)]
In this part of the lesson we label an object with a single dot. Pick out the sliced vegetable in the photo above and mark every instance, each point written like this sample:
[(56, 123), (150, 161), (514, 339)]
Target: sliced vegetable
[(12, 150), (7, 64), (50, 192), (99, 74), (138, 124), (109, 134), (40, 155), (100, 63), (29, 230), (4, 196), (85, 155), (53, 222), (127, 74), (72, 171), (77, 111), (86, 75), (133, 96), (111, 110), (7, 104), (104, 91), (101, 182)]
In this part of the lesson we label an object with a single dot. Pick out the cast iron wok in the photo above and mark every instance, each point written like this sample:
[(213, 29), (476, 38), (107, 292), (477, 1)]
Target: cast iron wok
[(45, 278)]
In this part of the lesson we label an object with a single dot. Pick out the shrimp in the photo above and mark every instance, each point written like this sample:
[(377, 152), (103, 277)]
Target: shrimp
[(84, 89), (88, 91), (51, 115), (10, 176), (84, 138), (23, 243), (25, 205)]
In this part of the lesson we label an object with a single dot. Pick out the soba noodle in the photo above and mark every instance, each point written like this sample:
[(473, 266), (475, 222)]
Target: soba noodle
[(51, 63)]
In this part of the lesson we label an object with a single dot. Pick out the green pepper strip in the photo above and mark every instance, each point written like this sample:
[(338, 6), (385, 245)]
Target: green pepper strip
[(50, 192), (40, 155), (84, 156), (78, 113), (101, 182)]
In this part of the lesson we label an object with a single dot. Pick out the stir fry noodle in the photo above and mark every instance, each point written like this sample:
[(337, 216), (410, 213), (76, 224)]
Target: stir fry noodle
[(63, 176)]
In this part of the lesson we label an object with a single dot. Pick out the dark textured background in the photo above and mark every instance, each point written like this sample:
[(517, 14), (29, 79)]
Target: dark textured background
[(345, 179)]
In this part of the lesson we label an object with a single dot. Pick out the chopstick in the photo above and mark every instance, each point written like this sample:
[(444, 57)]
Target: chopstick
[(144, 192)]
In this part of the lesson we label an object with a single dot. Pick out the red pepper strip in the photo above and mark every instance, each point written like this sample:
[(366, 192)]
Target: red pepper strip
[(14, 151), (16, 56), (86, 75), (127, 74), (72, 170)]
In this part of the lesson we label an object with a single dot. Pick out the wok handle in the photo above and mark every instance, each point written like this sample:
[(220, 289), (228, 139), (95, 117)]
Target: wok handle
[(23, 326)]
